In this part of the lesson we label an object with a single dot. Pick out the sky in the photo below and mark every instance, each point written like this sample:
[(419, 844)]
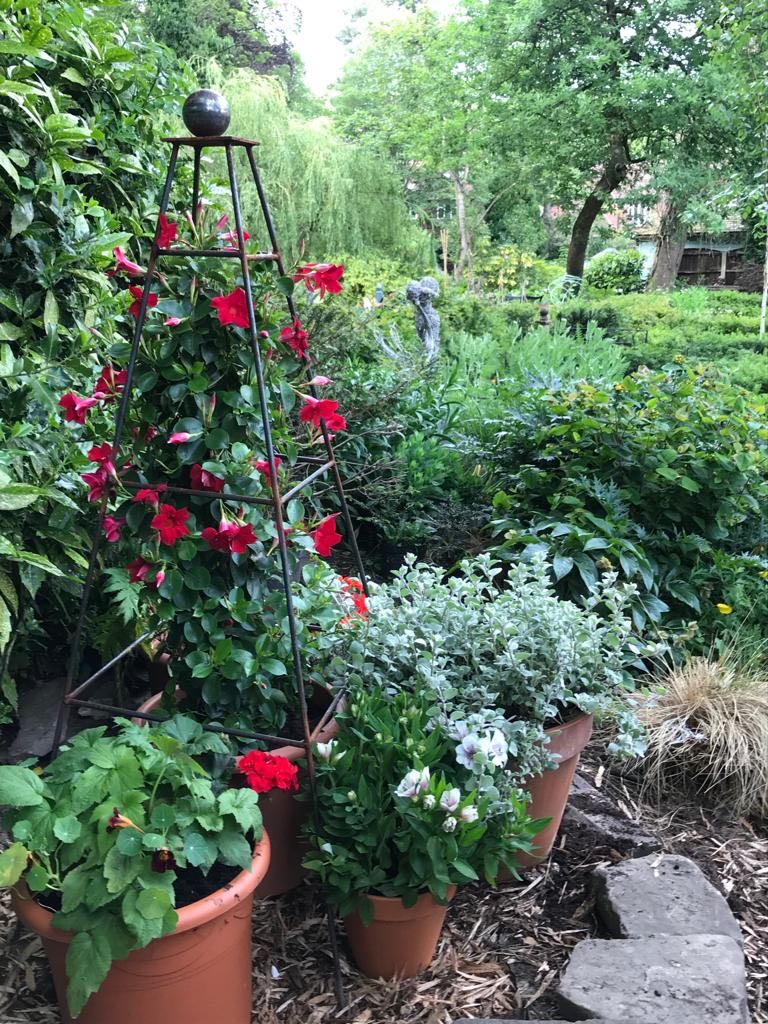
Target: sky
[(322, 20)]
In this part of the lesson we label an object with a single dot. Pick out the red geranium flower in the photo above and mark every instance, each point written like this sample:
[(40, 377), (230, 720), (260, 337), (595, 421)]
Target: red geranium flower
[(125, 266), (325, 277), (296, 338), (135, 306), (264, 772), (110, 383), (263, 466), (317, 409), (167, 232), (112, 528), (202, 480), (232, 308), (150, 495), (230, 537), (171, 524), (98, 482), (76, 408), (325, 535)]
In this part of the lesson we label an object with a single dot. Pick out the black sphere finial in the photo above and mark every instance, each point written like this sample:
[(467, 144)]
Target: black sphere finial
[(206, 112)]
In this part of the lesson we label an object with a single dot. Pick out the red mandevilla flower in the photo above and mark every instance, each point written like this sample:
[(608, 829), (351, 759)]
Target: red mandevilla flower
[(231, 236), (167, 232), (172, 321), (76, 408), (150, 495), (112, 528), (263, 466), (229, 537), (110, 384), (325, 535), (125, 266), (202, 480), (138, 569), (324, 277), (98, 482), (317, 409), (101, 453), (181, 438), (135, 306), (296, 339), (264, 772), (232, 308), (171, 524)]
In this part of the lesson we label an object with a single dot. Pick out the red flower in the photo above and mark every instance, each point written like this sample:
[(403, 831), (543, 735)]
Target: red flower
[(179, 438), (112, 528), (230, 537), (163, 860), (326, 277), (321, 382), (110, 384), (171, 524), (172, 321), (296, 338), (202, 480), (135, 306), (263, 466), (353, 589), (231, 236), (98, 482), (76, 408), (264, 772), (317, 409), (101, 453), (167, 232), (325, 535), (138, 569), (125, 266), (151, 434), (232, 308), (150, 495)]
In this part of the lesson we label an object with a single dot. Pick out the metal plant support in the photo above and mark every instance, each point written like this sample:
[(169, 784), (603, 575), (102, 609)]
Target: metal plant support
[(73, 695)]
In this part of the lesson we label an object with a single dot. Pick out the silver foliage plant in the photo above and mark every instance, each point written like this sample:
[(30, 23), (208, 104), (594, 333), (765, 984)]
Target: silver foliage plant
[(501, 658)]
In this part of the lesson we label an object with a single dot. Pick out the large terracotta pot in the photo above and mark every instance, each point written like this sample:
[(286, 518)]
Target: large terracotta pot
[(283, 815), (400, 941), (199, 973), (549, 791)]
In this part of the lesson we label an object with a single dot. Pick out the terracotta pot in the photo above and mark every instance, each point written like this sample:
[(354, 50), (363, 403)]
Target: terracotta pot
[(549, 791), (199, 973), (400, 941), (282, 813)]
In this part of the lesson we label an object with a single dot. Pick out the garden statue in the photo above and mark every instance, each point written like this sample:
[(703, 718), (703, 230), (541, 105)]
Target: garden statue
[(421, 293)]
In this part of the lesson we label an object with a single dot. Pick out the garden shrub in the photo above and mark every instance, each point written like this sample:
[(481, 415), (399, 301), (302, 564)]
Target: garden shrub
[(85, 101), (661, 476), (619, 272)]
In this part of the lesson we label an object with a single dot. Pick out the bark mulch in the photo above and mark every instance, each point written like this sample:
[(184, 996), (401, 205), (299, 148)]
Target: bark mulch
[(501, 952)]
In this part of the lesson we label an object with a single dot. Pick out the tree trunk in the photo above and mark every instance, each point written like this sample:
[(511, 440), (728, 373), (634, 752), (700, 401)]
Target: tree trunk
[(670, 246), (614, 173), (459, 180), (764, 300)]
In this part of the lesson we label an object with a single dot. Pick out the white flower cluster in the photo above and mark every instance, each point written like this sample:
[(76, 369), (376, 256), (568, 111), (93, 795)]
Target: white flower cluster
[(415, 783)]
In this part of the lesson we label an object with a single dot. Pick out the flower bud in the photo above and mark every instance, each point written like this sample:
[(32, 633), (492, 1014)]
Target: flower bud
[(449, 825)]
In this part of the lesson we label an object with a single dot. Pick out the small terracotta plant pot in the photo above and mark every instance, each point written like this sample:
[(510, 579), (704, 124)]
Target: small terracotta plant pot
[(549, 791), (282, 814), (400, 941), (199, 973)]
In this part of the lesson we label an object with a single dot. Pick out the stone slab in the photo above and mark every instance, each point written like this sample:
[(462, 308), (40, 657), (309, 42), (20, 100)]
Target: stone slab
[(610, 831), (661, 895), (669, 979)]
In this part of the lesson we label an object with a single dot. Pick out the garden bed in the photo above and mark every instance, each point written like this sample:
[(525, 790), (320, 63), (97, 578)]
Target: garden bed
[(501, 952)]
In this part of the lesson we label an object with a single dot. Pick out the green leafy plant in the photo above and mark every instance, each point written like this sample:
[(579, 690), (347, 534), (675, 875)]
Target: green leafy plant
[(619, 272), (103, 832), (401, 816)]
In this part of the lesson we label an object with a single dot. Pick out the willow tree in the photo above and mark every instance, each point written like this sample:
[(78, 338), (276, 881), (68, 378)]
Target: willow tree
[(328, 197)]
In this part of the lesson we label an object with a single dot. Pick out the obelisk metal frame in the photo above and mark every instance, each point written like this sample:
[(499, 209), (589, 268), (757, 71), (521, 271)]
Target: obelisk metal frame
[(317, 467)]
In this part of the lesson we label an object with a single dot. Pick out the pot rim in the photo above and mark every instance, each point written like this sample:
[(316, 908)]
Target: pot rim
[(193, 915), (390, 908)]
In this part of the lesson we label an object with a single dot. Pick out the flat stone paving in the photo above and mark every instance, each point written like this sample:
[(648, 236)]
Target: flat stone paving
[(668, 979), (661, 895)]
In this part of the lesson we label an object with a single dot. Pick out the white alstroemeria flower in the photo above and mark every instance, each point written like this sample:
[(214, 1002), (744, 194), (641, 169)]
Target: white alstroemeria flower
[(498, 751), (449, 825), (470, 747), (468, 814), (450, 800), (413, 783), (324, 750), (429, 801), (424, 780)]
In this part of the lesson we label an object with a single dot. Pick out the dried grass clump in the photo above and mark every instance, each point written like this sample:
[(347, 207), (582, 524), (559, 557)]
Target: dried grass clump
[(709, 732)]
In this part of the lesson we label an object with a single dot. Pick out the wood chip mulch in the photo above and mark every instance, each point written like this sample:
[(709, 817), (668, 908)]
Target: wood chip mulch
[(501, 951)]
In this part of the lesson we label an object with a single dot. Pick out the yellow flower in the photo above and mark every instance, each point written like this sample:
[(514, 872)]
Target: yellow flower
[(724, 609), (763, 575)]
